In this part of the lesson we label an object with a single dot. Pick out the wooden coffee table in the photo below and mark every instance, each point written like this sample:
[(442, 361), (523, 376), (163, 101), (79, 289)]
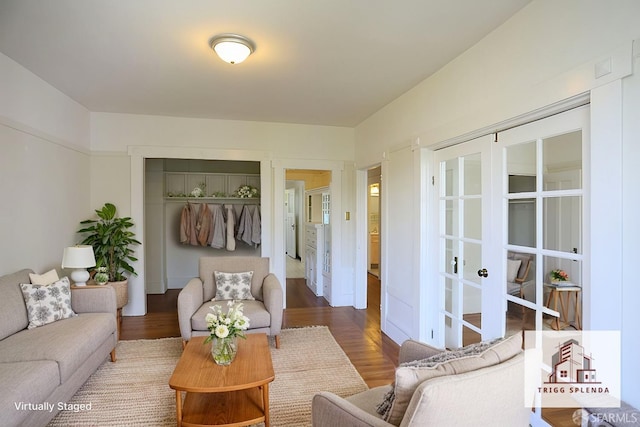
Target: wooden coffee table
[(234, 395)]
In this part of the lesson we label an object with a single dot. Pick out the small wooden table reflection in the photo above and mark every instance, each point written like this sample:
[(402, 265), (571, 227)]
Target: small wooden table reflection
[(234, 395), (556, 292)]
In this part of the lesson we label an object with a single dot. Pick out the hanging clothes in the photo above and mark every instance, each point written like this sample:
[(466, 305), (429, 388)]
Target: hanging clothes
[(185, 224), (193, 230), (219, 226), (256, 229), (231, 225), (218, 234), (204, 224), (245, 225), (189, 225)]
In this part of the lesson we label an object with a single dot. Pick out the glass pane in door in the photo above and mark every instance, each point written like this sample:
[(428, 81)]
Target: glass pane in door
[(470, 336), (563, 156), (562, 222), (450, 182), (451, 218), (521, 167), (472, 175), (472, 262), (473, 218)]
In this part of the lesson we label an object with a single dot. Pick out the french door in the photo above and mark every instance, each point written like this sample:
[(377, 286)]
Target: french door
[(539, 207), (511, 207), (466, 267)]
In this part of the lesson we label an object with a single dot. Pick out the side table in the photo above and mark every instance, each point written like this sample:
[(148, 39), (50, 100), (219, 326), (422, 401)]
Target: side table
[(555, 294), (122, 298)]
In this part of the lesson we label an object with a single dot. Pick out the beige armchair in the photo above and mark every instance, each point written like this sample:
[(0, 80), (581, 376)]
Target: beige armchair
[(264, 313), (522, 276), (492, 395)]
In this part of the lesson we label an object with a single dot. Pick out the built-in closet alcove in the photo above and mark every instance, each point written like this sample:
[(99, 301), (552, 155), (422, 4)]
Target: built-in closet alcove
[(173, 184)]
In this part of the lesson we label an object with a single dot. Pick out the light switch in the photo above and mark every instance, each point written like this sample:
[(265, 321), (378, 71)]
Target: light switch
[(347, 216)]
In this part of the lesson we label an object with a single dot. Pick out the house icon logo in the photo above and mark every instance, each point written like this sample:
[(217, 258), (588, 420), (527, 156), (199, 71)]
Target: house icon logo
[(571, 365), (568, 369)]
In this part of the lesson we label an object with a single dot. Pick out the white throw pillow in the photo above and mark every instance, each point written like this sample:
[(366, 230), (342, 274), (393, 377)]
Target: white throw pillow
[(233, 286), (47, 303), (44, 279), (513, 265)]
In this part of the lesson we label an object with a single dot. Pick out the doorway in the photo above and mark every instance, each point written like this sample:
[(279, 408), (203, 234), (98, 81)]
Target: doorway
[(307, 228), (293, 228), (373, 221)]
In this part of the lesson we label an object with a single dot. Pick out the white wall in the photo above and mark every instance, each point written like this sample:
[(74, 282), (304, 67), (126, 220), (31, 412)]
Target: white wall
[(543, 54), (112, 135), (116, 132), (546, 53), (44, 170), (631, 227)]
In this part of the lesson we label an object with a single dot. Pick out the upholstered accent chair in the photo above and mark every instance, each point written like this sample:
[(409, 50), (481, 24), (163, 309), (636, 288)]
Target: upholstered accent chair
[(470, 390), (264, 310), (520, 273)]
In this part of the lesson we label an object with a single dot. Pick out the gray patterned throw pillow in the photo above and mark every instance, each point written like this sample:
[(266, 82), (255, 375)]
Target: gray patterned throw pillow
[(233, 286), (47, 303)]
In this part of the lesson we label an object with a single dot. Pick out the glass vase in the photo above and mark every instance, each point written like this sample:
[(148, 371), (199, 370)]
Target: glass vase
[(223, 350)]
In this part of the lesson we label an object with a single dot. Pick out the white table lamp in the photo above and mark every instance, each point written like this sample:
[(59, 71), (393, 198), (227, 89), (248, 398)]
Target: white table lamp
[(79, 258)]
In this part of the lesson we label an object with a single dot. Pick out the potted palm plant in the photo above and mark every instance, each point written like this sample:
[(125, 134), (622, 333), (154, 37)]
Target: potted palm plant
[(112, 242)]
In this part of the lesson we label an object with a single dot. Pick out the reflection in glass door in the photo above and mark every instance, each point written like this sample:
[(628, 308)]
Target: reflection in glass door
[(463, 174)]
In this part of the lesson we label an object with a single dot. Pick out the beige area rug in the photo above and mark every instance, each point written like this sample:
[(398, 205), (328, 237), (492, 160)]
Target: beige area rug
[(135, 391)]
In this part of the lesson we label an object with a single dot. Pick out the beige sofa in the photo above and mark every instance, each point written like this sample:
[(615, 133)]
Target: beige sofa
[(264, 313), (453, 395), (42, 368)]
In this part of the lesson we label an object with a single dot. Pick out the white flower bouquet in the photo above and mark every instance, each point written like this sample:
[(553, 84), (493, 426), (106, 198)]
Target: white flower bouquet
[(226, 325), (197, 192), (224, 329), (246, 192)]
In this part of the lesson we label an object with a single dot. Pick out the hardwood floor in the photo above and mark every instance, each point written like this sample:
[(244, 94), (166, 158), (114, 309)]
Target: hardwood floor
[(357, 331), (373, 354)]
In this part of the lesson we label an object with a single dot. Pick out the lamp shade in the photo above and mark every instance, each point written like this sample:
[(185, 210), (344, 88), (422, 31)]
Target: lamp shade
[(80, 256)]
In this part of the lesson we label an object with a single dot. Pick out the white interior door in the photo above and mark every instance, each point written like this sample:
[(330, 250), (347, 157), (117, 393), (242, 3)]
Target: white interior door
[(290, 222), (549, 155), (465, 265), (544, 218)]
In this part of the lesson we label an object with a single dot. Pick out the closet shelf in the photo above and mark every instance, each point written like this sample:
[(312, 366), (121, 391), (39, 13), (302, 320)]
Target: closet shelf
[(255, 200)]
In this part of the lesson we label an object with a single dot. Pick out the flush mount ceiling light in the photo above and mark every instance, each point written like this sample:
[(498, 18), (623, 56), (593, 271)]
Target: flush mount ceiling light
[(232, 48)]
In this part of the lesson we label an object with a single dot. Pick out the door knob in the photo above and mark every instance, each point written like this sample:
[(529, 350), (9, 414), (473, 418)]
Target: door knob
[(483, 272)]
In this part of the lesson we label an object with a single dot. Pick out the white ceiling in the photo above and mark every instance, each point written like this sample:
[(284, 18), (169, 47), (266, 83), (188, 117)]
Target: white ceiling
[(327, 62)]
